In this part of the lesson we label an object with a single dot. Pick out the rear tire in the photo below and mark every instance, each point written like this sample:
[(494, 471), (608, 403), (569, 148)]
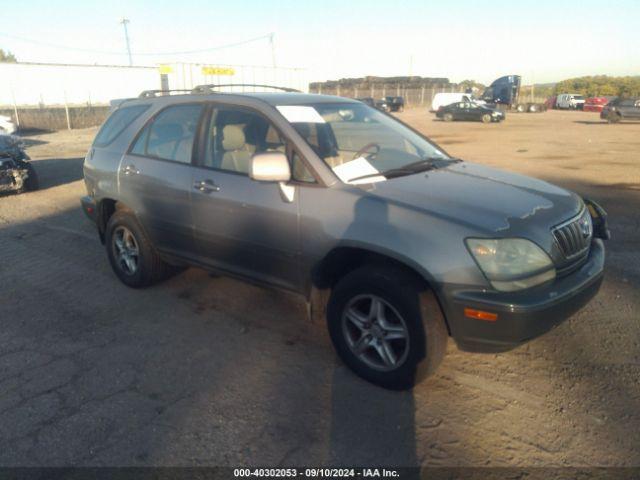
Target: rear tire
[(448, 117), (132, 256), (613, 117), (486, 118), (533, 108), (412, 329), (520, 108)]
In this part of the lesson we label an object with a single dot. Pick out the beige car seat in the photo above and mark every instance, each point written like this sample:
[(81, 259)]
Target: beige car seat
[(237, 152)]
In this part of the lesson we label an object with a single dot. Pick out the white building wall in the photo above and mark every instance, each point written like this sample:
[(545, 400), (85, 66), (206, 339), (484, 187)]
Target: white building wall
[(28, 84), (52, 84)]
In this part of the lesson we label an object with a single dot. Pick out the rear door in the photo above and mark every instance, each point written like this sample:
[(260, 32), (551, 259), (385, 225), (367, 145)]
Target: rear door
[(240, 225), (155, 177)]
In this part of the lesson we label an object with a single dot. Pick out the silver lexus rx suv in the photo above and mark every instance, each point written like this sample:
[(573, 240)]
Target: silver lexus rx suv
[(396, 243)]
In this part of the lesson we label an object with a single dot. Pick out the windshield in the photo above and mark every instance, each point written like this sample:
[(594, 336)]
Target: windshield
[(356, 141)]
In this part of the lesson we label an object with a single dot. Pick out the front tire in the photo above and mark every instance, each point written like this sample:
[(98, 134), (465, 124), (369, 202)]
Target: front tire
[(386, 326), (486, 118), (448, 117), (133, 258)]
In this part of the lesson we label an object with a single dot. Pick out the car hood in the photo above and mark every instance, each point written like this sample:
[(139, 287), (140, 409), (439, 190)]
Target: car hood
[(489, 200)]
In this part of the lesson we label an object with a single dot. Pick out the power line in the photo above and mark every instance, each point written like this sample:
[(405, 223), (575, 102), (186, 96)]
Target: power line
[(148, 54)]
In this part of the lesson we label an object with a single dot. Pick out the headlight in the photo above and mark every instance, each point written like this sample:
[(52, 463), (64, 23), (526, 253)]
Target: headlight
[(511, 264)]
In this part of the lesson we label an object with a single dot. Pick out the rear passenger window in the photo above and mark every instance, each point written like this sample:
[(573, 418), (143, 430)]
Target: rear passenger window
[(117, 122), (171, 134)]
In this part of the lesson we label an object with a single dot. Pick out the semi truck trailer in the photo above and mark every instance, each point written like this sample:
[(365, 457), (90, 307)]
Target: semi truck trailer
[(504, 93)]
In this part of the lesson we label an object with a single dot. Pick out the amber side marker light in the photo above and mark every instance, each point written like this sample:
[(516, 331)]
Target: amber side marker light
[(480, 315)]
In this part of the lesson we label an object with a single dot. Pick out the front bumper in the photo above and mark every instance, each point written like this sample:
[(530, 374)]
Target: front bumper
[(523, 315)]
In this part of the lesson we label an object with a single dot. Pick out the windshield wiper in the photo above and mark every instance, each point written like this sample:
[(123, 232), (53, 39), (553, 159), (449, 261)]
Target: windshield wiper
[(409, 169)]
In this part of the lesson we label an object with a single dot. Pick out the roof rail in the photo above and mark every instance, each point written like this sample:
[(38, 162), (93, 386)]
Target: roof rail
[(155, 93), (210, 88)]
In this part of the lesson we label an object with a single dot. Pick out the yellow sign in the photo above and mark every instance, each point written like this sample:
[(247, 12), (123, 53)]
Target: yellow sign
[(164, 69), (218, 71)]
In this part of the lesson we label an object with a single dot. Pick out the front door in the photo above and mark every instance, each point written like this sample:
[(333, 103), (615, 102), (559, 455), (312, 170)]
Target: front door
[(241, 225)]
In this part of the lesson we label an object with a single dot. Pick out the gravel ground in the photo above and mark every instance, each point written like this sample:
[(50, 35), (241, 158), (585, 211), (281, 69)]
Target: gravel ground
[(211, 371)]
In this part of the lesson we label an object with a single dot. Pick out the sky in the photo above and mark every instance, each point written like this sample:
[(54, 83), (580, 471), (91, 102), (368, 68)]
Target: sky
[(544, 41)]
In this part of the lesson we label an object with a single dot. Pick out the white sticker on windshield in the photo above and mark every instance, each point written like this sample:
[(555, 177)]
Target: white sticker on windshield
[(300, 114), (348, 172)]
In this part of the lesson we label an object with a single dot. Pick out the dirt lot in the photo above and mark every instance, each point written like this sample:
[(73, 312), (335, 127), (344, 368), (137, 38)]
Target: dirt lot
[(210, 371)]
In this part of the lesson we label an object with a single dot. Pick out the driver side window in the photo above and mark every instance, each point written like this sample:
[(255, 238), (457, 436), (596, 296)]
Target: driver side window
[(235, 135)]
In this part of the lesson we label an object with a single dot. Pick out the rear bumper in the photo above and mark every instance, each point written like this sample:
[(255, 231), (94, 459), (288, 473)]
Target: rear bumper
[(522, 316), (89, 207)]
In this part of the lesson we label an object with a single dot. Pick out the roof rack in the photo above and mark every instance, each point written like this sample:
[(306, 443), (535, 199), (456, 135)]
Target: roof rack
[(155, 93), (210, 88)]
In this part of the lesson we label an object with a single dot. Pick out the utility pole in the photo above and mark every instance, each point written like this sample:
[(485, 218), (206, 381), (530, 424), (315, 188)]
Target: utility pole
[(273, 50), (124, 23)]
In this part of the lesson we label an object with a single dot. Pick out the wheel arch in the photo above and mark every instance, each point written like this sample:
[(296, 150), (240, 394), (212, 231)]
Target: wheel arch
[(343, 259), (105, 208)]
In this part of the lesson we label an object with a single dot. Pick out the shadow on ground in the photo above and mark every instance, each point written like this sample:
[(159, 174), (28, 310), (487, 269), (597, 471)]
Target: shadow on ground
[(53, 172), (604, 122)]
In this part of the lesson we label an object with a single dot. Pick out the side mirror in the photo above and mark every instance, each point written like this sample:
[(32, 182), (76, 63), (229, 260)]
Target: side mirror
[(273, 167), (270, 167)]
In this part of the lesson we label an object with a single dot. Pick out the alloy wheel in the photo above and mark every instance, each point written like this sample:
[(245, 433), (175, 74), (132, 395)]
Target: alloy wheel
[(125, 250), (375, 332)]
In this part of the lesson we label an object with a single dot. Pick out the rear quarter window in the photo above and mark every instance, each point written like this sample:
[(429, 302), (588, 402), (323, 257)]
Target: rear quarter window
[(116, 123)]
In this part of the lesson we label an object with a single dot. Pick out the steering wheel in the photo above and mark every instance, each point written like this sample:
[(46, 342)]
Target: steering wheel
[(366, 148)]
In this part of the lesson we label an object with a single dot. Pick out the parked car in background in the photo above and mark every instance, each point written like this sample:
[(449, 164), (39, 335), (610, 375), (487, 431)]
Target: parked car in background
[(16, 171), (621, 109), (570, 101), (379, 104), (395, 104), (447, 98), (396, 243), (596, 104), (368, 101), (470, 111), (7, 127), (550, 102)]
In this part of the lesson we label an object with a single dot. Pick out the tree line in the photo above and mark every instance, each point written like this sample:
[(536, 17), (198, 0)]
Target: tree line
[(600, 85), (7, 57)]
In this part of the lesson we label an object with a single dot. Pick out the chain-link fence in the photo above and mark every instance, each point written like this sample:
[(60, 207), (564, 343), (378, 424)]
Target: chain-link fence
[(413, 96)]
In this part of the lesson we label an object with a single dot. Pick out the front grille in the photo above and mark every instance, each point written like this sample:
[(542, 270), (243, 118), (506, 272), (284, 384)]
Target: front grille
[(574, 236)]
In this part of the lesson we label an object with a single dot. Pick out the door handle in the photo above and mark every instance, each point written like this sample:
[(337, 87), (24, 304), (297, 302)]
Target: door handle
[(206, 186), (130, 169)]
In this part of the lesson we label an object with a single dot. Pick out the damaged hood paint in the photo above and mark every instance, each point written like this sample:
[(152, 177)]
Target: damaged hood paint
[(490, 200)]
